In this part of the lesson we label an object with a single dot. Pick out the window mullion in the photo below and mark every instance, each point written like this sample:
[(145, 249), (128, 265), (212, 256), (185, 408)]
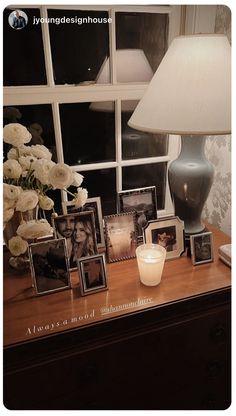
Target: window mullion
[(112, 47), (58, 135), (47, 47)]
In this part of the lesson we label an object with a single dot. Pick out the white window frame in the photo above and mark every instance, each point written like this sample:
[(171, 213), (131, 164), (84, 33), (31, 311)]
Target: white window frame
[(60, 94)]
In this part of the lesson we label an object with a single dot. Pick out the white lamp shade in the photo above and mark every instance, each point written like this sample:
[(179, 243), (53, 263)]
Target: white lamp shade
[(131, 66), (190, 93)]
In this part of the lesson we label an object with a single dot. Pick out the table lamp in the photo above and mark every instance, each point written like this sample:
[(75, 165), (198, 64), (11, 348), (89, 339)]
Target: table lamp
[(189, 95)]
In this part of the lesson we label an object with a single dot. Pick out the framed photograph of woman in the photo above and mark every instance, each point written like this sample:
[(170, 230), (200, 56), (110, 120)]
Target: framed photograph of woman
[(143, 201), (49, 266), (79, 231), (94, 205), (201, 248), (168, 232), (93, 276), (121, 236)]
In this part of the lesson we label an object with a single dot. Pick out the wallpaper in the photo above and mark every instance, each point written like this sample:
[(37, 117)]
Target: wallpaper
[(217, 209)]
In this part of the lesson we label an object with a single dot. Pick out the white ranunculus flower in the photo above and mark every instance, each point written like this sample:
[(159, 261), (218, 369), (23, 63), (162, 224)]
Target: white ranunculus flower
[(78, 179), (25, 150), (7, 214), (12, 169), (16, 134), (34, 229), (17, 246), (12, 154), (46, 203), (9, 203), (26, 162), (41, 168), (41, 152), (60, 176), (11, 192), (81, 197), (27, 200)]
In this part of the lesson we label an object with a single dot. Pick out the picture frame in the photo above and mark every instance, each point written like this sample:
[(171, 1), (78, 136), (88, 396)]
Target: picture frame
[(167, 232), (141, 200), (92, 204), (93, 274), (79, 231), (201, 246), (121, 236), (49, 266)]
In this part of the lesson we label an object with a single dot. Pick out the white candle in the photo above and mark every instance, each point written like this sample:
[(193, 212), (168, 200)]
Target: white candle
[(150, 258)]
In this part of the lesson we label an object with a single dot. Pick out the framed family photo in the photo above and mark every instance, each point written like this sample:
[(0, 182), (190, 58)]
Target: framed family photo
[(201, 248), (94, 205), (49, 266), (79, 231), (93, 276), (121, 235), (143, 201), (167, 232)]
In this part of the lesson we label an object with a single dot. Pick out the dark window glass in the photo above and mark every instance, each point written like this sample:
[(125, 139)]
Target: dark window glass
[(88, 133), (78, 50), (141, 42), (138, 144), (101, 183), (38, 119), (153, 174), (23, 56)]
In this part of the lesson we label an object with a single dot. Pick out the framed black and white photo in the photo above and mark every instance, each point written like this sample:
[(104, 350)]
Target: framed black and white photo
[(93, 276), (79, 231), (168, 232), (94, 205), (143, 201), (121, 236), (49, 266), (201, 248)]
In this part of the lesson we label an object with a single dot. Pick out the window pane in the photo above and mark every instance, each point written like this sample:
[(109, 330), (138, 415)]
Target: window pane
[(141, 41), (23, 56), (138, 144), (78, 49), (101, 183), (88, 133), (153, 174), (38, 120)]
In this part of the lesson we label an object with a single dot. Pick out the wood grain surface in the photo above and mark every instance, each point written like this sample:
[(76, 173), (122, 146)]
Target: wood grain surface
[(27, 316)]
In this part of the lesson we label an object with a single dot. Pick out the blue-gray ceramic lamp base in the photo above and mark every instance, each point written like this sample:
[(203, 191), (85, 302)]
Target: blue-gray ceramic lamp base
[(190, 179)]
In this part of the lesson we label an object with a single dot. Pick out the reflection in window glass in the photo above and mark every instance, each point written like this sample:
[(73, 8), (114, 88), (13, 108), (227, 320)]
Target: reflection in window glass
[(138, 144), (88, 133), (78, 50), (38, 120), (153, 174), (23, 56), (101, 183), (141, 42)]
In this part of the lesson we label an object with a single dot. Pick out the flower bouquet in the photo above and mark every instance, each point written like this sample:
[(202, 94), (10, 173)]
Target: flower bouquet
[(28, 174)]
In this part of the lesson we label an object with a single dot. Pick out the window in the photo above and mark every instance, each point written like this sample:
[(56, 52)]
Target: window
[(77, 83)]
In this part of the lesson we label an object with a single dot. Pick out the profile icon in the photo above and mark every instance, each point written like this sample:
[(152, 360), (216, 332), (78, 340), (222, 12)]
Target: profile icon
[(18, 19)]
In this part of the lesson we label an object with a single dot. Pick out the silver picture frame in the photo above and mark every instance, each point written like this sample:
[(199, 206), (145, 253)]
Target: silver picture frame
[(92, 204), (49, 266), (79, 231), (93, 274), (121, 236), (201, 246), (141, 200), (167, 232)]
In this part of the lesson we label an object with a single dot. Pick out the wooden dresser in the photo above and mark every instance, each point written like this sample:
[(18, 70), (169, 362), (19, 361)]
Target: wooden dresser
[(131, 347)]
